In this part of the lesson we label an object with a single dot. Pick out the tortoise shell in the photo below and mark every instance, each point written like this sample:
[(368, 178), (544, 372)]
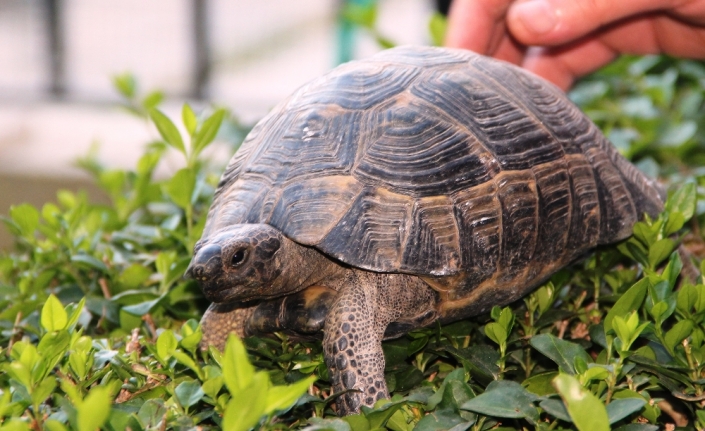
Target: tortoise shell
[(441, 163)]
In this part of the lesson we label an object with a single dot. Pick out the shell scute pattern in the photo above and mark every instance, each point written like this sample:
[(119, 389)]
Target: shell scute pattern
[(357, 86), (433, 239), (418, 154), (376, 226), (435, 163), (478, 213), (553, 186), (318, 201), (422, 57), (324, 138), (498, 123)]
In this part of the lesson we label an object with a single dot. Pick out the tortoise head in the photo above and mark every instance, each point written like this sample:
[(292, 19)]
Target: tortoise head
[(242, 263)]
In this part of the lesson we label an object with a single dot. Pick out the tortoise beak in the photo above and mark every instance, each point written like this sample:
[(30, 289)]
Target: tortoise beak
[(206, 264)]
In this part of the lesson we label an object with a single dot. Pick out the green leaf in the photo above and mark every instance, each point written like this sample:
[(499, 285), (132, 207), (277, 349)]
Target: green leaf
[(142, 308), (237, 369), (247, 404), (658, 310), (496, 333), (20, 372), (77, 362), (399, 422), (26, 217), (595, 372), (505, 399), (17, 424), (586, 410), (134, 276), (437, 27), (125, 85), (357, 422), (682, 201), (189, 119), (318, 424), (678, 134), (152, 100), (95, 408), (167, 130), (440, 420), (282, 397), (660, 250), (180, 187), (687, 297), (679, 332), (166, 344), (188, 393), (382, 411), (674, 223), (556, 408), (481, 360), (208, 131), (191, 335), (54, 317), (51, 425), (672, 270), (90, 262), (620, 409), (545, 297), (630, 300), (212, 386), (43, 390), (364, 15), (562, 352), (75, 312), (506, 319), (445, 395), (53, 347), (637, 427), (186, 360), (633, 249), (540, 384)]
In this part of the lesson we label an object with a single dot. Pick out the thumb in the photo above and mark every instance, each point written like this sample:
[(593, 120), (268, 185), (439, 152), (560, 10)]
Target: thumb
[(555, 22)]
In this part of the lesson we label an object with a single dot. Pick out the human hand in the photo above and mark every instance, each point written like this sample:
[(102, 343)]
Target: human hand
[(562, 40)]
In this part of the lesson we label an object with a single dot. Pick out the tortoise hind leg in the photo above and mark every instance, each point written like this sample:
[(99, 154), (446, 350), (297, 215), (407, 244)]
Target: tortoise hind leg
[(355, 326)]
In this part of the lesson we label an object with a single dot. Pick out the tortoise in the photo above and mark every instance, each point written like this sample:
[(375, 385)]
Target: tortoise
[(419, 185)]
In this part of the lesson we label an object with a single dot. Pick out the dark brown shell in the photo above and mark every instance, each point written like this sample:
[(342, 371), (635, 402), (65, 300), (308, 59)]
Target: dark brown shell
[(439, 163)]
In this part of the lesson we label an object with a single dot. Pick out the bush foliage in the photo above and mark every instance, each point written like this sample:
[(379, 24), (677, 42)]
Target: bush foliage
[(99, 329)]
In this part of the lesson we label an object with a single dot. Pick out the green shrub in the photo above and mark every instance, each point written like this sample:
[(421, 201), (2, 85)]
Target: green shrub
[(99, 330)]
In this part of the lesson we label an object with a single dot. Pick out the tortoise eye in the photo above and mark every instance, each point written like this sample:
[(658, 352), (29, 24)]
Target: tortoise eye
[(238, 257)]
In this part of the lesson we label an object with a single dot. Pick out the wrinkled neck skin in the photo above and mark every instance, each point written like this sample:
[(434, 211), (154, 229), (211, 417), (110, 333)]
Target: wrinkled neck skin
[(303, 267)]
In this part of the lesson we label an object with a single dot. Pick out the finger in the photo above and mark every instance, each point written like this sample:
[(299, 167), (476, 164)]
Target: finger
[(510, 50), (478, 25), (555, 22), (563, 66)]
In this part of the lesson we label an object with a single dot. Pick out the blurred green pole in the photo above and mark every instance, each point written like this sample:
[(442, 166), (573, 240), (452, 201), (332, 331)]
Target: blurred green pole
[(346, 31)]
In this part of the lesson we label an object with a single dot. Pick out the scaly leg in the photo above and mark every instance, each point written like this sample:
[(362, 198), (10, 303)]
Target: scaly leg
[(222, 319), (355, 327)]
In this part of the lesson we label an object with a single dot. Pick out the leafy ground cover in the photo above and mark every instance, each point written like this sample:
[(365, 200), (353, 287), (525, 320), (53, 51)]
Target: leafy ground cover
[(98, 328)]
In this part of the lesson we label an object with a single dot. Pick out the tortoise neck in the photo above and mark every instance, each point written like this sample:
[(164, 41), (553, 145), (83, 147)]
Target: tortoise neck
[(320, 268), (303, 267)]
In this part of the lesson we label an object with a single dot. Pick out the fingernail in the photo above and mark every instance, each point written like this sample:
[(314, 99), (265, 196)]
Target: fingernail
[(538, 16)]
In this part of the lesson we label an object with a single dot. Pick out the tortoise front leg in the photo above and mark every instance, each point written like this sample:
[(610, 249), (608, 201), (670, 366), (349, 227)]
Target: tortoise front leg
[(222, 319), (355, 327), (300, 315)]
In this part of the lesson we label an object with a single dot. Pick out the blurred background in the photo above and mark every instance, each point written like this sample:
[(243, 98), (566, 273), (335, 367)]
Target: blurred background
[(58, 60)]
